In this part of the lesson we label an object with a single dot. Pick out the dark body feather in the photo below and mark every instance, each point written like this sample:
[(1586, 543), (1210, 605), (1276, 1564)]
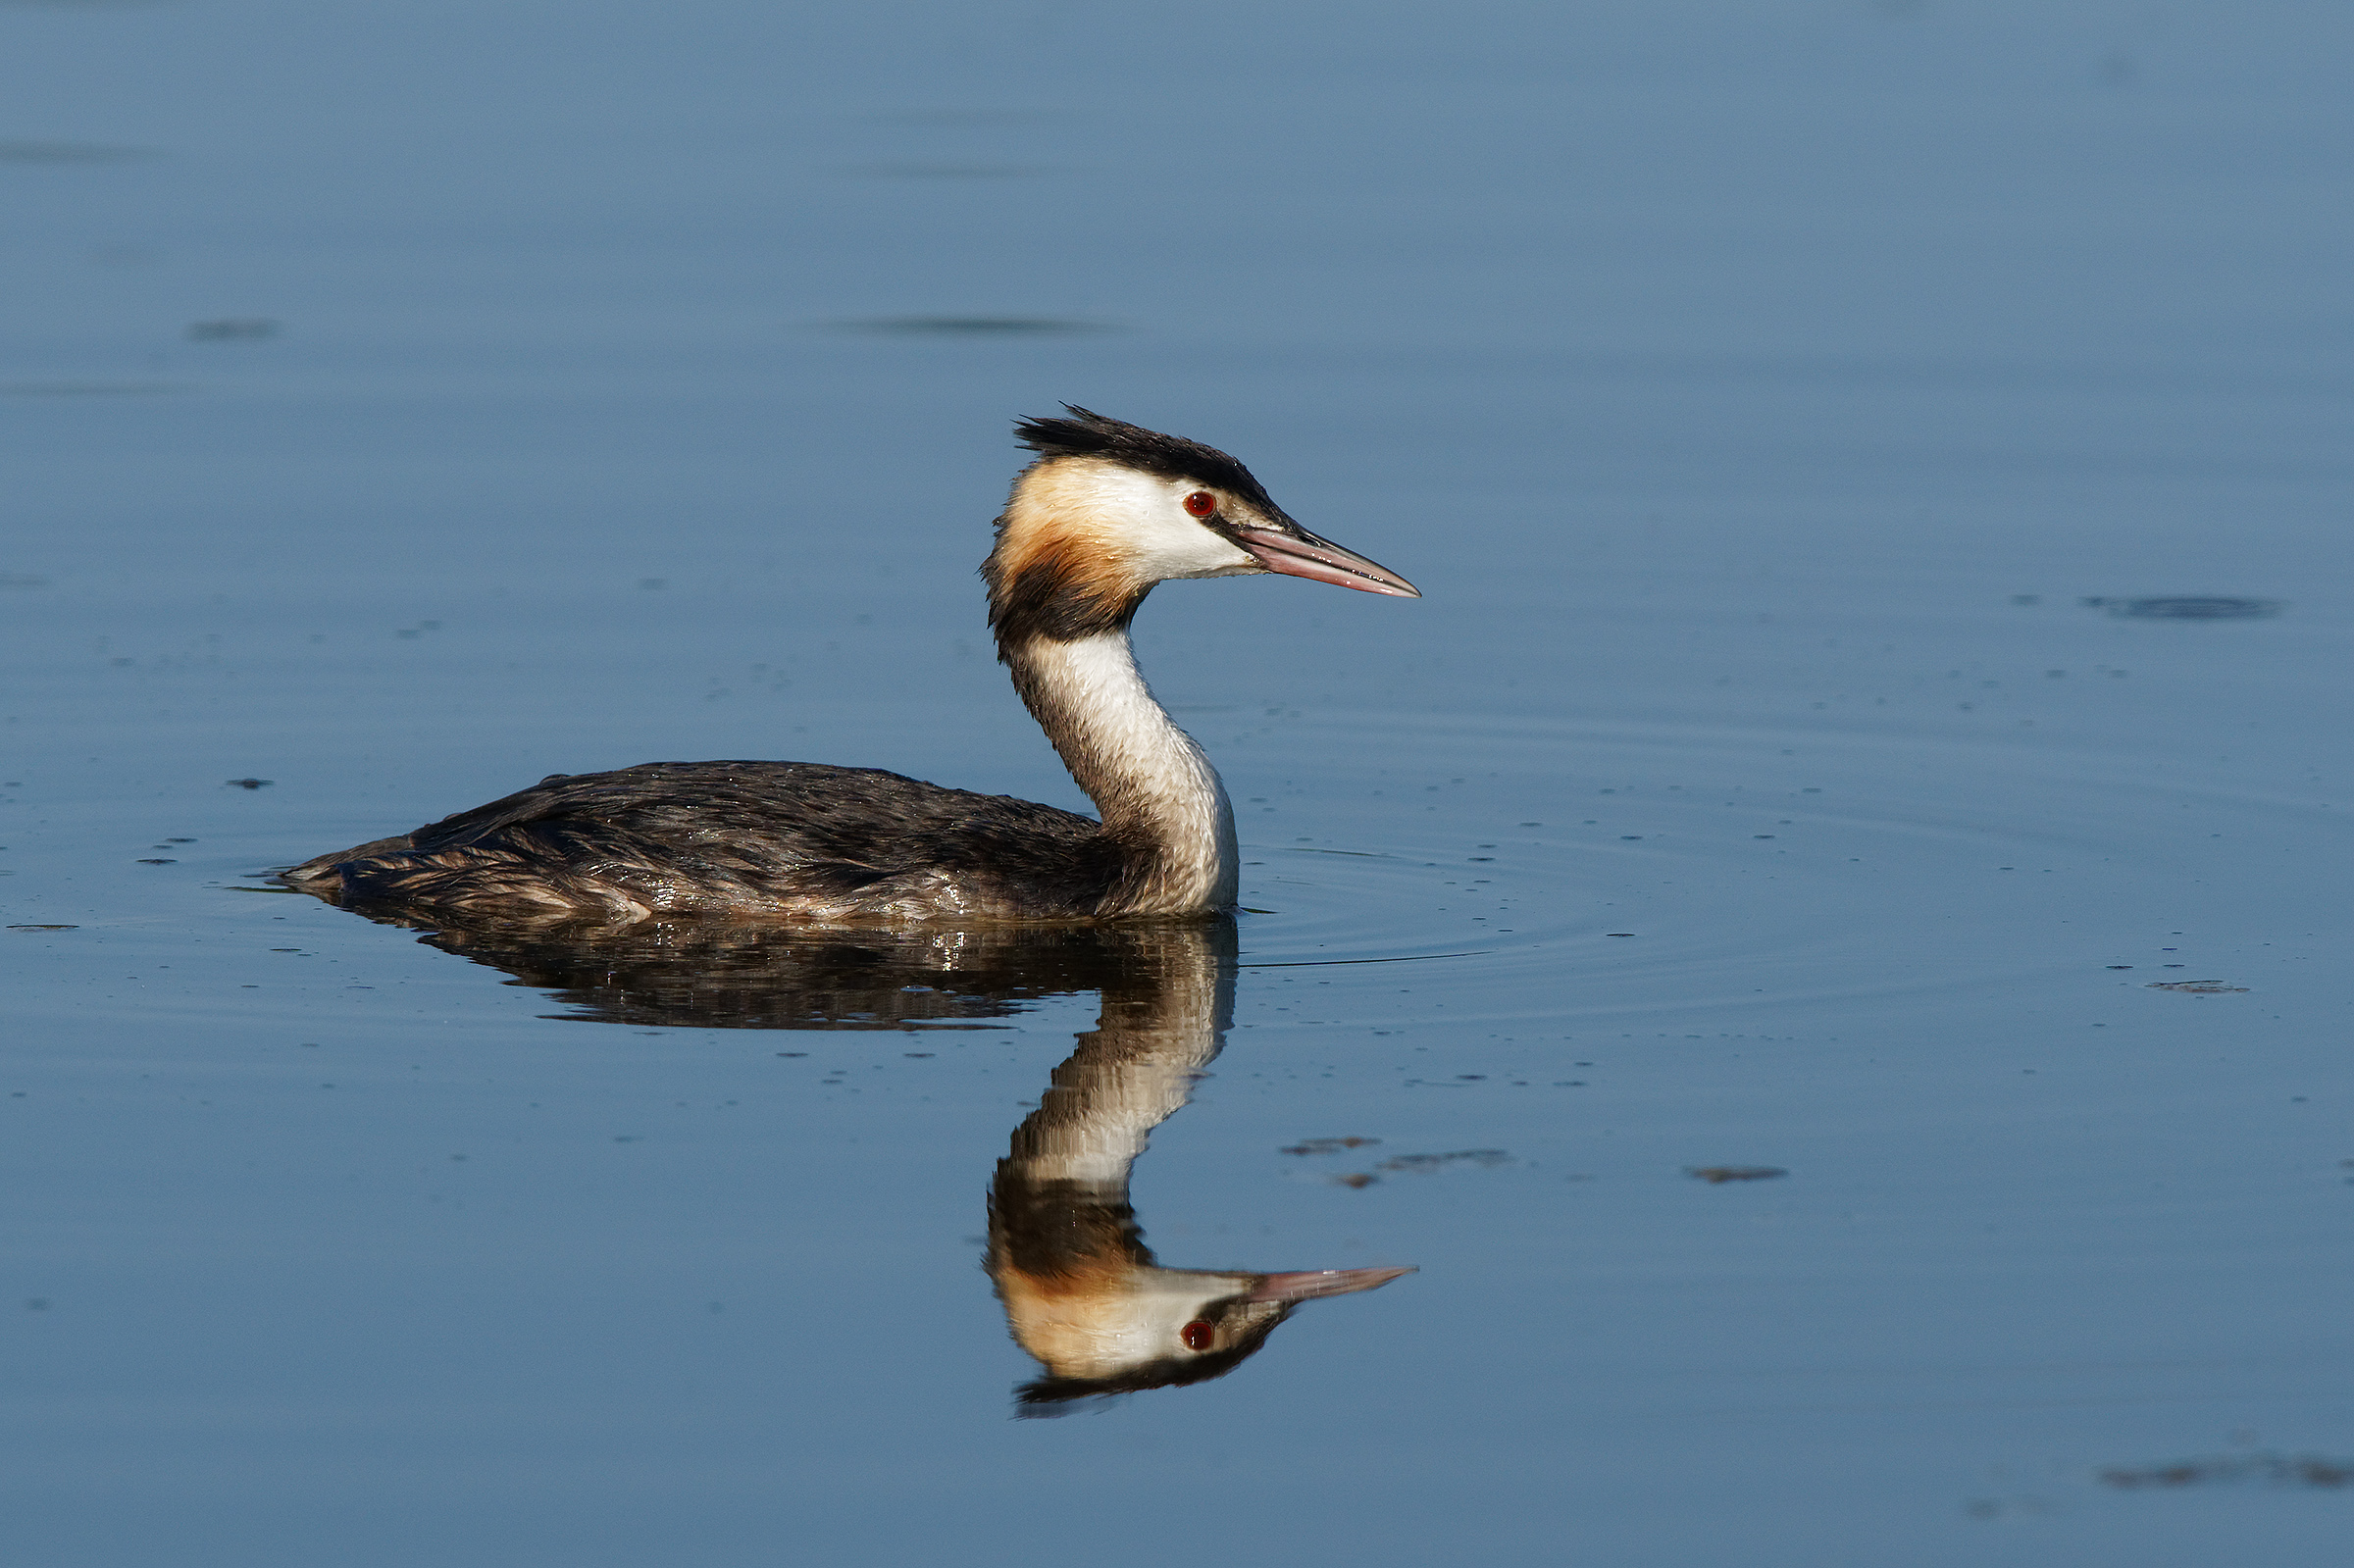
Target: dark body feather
[(793, 840)]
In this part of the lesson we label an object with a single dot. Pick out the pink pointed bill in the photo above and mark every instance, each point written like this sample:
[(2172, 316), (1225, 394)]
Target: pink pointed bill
[(1321, 561), (1316, 1283)]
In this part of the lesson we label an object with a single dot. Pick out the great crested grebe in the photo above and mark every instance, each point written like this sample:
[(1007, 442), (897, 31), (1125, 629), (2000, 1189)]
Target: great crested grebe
[(1082, 1292), (1106, 511)]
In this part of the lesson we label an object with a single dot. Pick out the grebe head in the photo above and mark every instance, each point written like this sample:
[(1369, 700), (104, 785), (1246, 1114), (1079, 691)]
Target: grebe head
[(1109, 509), (1144, 1327)]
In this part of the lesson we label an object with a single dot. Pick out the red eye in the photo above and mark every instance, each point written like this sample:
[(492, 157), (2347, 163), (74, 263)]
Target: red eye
[(1196, 1335), (1200, 503)]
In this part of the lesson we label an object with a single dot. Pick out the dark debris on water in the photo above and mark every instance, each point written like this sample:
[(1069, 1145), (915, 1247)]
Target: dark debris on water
[(973, 326), (2265, 1468), (1718, 1174), (2188, 607), (1425, 1163), (233, 329), (1416, 1164)]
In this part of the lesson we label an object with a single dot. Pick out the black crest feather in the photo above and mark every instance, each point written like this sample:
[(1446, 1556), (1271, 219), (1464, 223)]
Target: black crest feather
[(1087, 434)]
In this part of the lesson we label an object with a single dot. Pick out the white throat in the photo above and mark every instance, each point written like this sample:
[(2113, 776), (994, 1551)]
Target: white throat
[(1147, 777)]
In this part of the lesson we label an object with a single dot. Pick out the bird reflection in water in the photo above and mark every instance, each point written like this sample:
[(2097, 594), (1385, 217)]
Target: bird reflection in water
[(1082, 1292)]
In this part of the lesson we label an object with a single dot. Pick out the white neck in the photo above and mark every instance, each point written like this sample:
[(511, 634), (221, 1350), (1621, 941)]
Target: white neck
[(1136, 1071), (1150, 781)]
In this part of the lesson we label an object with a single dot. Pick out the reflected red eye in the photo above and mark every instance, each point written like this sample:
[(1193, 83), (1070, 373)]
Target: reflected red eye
[(1200, 503), (1196, 1335)]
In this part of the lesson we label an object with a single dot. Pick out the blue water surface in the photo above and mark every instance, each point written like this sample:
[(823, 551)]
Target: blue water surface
[(1879, 473)]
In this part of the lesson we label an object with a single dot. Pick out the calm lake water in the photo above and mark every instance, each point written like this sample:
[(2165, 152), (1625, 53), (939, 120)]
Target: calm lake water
[(1876, 736)]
